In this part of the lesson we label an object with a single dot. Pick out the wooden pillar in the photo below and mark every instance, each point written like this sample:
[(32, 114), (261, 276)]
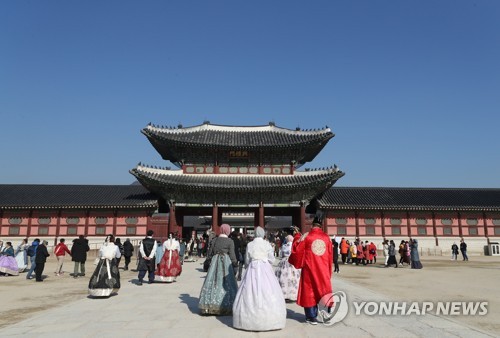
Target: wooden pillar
[(115, 216), (58, 226), (302, 217), (460, 233), (485, 225), (262, 220), (215, 218), (86, 230), (408, 227), (356, 222), (382, 222), (30, 216), (171, 219), (434, 228), (179, 222)]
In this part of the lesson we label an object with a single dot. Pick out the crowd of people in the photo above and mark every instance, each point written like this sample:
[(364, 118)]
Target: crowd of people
[(257, 303)]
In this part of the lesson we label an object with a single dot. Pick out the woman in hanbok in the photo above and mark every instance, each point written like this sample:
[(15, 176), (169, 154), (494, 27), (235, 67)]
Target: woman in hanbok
[(170, 265), (259, 303), (220, 287), (159, 254), (106, 278), (21, 255), (8, 264), (288, 276), (415, 258)]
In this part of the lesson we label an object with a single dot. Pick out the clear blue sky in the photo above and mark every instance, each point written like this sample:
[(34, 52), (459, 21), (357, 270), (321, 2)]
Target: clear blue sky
[(410, 88)]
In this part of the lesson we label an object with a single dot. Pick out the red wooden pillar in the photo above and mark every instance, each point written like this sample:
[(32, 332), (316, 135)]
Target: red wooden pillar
[(30, 216), (302, 218), (460, 231), (408, 226), (434, 228), (171, 219), (215, 218), (115, 216), (58, 226), (356, 222), (261, 215), (86, 230)]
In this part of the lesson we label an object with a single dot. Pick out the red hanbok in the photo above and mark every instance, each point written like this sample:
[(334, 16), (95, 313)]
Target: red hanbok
[(312, 253), (170, 265)]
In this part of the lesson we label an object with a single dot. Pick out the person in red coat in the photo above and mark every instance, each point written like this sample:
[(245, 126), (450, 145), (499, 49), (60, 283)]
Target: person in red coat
[(373, 253), (361, 253), (312, 252)]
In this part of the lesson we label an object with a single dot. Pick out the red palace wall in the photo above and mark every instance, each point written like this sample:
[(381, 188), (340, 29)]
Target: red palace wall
[(72, 223), (351, 223)]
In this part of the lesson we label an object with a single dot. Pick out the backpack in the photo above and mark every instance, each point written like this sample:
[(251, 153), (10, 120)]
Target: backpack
[(31, 251)]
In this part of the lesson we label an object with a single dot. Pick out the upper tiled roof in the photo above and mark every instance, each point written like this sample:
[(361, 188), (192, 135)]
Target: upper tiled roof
[(24, 196), (209, 135), (177, 144), (411, 199)]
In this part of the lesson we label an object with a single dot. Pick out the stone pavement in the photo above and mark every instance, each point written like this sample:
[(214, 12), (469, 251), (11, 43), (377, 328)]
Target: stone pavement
[(160, 309)]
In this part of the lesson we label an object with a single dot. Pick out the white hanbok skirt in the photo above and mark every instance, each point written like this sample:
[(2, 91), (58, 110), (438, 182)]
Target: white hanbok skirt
[(259, 303)]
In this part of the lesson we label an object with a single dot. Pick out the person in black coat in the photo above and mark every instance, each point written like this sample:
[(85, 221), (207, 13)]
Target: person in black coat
[(128, 251), (40, 259), (336, 256), (79, 255)]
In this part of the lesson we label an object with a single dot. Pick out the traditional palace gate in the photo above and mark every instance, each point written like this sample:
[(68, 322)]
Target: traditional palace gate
[(234, 168)]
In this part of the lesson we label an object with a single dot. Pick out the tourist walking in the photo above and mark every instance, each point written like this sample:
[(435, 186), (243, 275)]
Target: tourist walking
[(41, 257), (236, 237), (259, 305), (21, 255), (147, 251), (344, 249), (128, 252), (415, 259), (31, 253), (373, 253), (353, 251), (288, 276), (60, 251), (182, 250), (106, 277), (385, 250), (119, 244), (463, 249), (219, 288), (454, 251), (79, 251), (312, 253), (335, 256), (392, 254), (8, 264), (159, 254), (170, 264)]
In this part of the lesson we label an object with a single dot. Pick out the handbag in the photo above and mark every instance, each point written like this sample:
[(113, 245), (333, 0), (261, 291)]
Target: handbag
[(208, 260), (206, 264)]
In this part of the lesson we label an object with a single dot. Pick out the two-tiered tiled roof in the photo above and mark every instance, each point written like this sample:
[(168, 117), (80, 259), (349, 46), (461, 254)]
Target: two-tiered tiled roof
[(39, 196), (231, 189), (453, 199), (190, 143)]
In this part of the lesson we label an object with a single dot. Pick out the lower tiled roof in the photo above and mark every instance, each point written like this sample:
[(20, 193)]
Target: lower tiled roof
[(411, 198), (22, 196)]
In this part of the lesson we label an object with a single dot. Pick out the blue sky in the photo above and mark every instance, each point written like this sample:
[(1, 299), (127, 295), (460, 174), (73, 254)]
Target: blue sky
[(410, 88)]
